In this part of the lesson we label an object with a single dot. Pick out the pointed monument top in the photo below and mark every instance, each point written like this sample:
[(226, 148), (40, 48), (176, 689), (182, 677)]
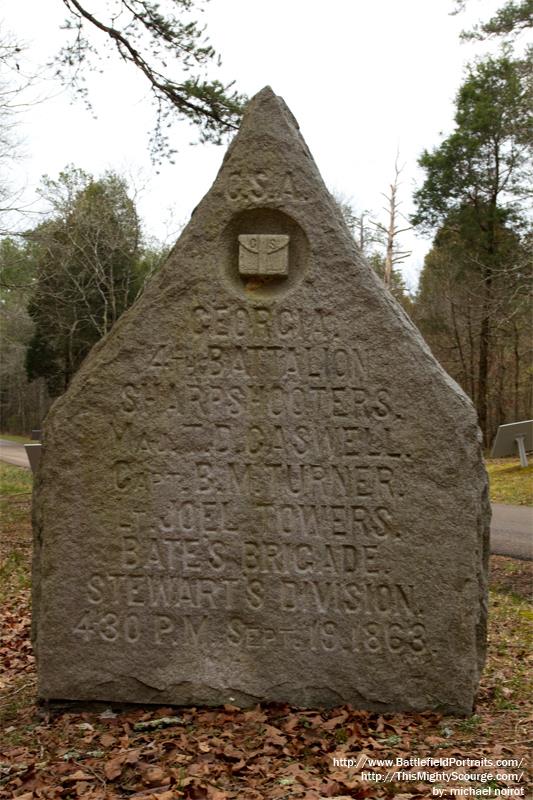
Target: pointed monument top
[(267, 114), (261, 485), (266, 91)]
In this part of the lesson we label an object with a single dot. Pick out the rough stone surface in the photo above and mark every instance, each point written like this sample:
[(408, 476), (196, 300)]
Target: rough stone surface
[(262, 486)]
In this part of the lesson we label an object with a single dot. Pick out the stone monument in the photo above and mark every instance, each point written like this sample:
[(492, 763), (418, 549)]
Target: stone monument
[(261, 485)]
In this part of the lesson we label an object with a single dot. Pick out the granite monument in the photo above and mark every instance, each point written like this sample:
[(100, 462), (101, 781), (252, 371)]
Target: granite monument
[(261, 485)]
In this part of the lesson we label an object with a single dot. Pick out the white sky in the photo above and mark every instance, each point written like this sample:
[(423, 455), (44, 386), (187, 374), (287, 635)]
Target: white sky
[(363, 78)]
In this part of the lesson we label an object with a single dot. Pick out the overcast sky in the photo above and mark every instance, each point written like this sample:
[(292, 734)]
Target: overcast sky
[(364, 78)]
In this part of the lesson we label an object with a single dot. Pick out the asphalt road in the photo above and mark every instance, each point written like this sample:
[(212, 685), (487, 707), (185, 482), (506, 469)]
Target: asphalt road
[(511, 530), (13, 453)]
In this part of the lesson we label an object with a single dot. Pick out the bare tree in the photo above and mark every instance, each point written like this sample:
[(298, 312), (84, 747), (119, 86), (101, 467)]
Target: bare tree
[(391, 229), (11, 88)]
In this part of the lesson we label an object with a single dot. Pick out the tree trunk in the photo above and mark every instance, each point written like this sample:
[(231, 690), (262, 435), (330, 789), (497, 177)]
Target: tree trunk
[(389, 255), (516, 371), (484, 348)]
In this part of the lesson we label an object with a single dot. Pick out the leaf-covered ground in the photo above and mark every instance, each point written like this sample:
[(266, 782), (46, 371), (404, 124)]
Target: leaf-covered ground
[(271, 752)]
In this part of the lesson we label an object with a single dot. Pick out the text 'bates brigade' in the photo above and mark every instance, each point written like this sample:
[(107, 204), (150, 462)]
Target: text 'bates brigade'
[(261, 485)]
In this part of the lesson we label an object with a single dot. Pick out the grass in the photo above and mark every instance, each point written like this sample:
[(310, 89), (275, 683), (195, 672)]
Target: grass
[(508, 676), (509, 482), (14, 574), (12, 437), (14, 480), (15, 508)]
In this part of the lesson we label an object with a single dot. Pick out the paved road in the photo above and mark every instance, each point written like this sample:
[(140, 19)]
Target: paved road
[(13, 453), (511, 531)]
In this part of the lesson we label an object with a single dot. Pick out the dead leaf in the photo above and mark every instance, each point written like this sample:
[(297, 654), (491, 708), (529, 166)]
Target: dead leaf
[(274, 736), (216, 794), (434, 740), (132, 757), (156, 776), (113, 768), (232, 752), (79, 775), (255, 715), (331, 790), (334, 722), (291, 724)]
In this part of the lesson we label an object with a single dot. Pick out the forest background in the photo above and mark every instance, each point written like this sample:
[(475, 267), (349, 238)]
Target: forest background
[(75, 252)]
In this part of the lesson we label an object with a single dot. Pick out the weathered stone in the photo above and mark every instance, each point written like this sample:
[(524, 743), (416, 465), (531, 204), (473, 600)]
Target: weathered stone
[(263, 255), (262, 486)]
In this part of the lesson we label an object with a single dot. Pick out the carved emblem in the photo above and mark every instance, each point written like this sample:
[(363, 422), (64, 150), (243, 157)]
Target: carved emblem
[(263, 254)]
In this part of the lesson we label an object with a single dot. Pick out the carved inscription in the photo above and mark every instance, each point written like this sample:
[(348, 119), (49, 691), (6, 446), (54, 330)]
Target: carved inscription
[(263, 186), (269, 488), (263, 510)]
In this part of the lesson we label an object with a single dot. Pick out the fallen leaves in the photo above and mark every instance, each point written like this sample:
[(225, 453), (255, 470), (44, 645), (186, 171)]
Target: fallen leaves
[(113, 768), (156, 776), (79, 775), (269, 752), (107, 740)]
